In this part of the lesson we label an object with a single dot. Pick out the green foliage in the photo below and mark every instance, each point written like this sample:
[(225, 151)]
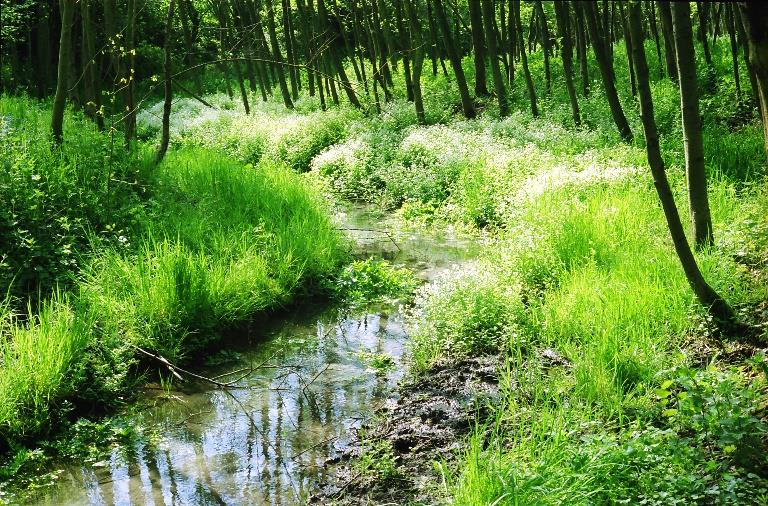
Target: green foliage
[(373, 280), (59, 203), (376, 461)]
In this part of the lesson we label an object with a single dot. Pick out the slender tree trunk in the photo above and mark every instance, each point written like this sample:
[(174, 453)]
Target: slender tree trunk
[(493, 55), (185, 14), (544, 33), (754, 15), (412, 12), (581, 39), (453, 55), (703, 8), (524, 58), (306, 36), (692, 136), (289, 48), (90, 85), (742, 38), (665, 13), (708, 298), (277, 55), (166, 128), (628, 44), (67, 8), (606, 71), (566, 51), (511, 42), (731, 27), (651, 6), (478, 45), (130, 74)]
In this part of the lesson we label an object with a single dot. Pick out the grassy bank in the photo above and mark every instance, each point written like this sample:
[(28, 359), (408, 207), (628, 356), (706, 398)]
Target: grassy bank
[(166, 259)]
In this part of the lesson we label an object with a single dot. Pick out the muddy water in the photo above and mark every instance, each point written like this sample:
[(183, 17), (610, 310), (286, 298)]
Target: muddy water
[(267, 440)]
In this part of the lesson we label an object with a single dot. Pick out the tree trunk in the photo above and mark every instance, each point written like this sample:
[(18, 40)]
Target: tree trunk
[(628, 44), (566, 51), (67, 8), (277, 55), (478, 45), (692, 136), (703, 8), (412, 12), (129, 85), (524, 59), (755, 18), (606, 71), (453, 55), (581, 40), (708, 298), (289, 48), (493, 54), (665, 13), (731, 27), (90, 85), (742, 37), (544, 33), (651, 6), (166, 128)]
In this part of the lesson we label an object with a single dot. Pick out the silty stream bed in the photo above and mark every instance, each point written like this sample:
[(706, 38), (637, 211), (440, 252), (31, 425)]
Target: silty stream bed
[(267, 441)]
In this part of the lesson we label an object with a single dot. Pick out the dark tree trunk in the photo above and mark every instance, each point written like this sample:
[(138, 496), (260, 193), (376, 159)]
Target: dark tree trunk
[(581, 40), (731, 27), (566, 51), (277, 55), (166, 128), (524, 59), (129, 75), (289, 48), (755, 18), (703, 8), (692, 136), (493, 54), (742, 35), (651, 6), (606, 71), (412, 11), (628, 43), (453, 55), (708, 298), (478, 45), (665, 13), (544, 34), (67, 8), (91, 88)]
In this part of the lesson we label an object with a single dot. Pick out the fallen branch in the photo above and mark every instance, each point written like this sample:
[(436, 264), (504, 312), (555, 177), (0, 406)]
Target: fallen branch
[(177, 371)]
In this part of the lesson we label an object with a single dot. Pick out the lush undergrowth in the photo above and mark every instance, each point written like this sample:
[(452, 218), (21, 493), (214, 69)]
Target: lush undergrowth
[(615, 391), (165, 261)]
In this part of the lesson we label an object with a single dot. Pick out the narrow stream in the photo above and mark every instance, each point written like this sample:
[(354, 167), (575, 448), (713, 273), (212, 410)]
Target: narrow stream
[(266, 442)]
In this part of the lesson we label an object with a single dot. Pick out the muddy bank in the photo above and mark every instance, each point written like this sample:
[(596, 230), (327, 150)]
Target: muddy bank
[(391, 458)]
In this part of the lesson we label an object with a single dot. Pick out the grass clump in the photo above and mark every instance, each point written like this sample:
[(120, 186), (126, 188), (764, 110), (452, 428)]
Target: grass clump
[(373, 280)]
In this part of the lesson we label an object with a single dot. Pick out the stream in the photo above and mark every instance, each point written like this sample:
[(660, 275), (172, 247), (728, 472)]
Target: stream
[(267, 440)]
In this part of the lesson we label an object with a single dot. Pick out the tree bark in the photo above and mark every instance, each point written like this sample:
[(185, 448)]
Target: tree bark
[(130, 74), (694, 144), (412, 12), (290, 48), (755, 18), (166, 128), (703, 8), (524, 59), (90, 84), (453, 55), (67, 8), (566, 52), (478, 46), (665, 13), (708, 298), (581, 40), (544, 34), (277, 55), (606, 71), (731, 28), (493, 54)]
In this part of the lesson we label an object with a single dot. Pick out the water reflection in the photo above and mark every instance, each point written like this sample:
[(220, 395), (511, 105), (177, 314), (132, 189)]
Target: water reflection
[(265, 442)]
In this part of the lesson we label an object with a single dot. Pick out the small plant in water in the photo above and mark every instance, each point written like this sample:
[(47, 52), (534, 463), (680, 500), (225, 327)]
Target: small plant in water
[(380, 363), (373, 280)]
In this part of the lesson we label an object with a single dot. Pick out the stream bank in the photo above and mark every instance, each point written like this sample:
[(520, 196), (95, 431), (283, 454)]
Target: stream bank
[(309, 385)]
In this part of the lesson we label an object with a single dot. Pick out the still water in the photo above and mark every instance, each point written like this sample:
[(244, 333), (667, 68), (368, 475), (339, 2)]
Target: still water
[(301, 384)]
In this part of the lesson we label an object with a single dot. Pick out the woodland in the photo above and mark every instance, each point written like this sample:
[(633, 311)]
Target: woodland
[(569, 269)]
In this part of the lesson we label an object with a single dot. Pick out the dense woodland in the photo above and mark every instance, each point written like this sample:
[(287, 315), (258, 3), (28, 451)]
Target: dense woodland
[(171, 169)]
